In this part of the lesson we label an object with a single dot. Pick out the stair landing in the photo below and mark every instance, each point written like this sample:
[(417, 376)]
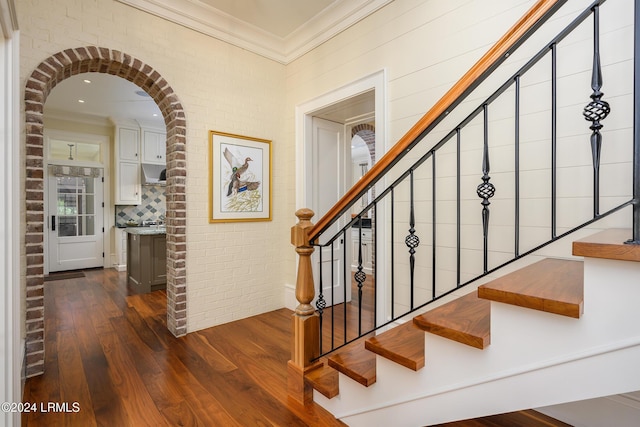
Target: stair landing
[(551, 285)]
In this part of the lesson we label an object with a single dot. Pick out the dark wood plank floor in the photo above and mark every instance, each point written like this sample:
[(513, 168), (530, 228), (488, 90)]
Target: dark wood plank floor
[(109, 352)]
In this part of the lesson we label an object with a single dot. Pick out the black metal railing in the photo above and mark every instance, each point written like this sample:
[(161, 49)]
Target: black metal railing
[(342, 321)]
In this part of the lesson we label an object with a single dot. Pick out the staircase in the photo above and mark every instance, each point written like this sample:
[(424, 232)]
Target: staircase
[(556, 331), (563, 329)]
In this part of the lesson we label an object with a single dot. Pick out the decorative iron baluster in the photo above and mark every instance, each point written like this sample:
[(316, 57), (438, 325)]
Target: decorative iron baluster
[(596, 111), (360, 276), (321, 304), (412, 241), (635, 238), (486, 190)]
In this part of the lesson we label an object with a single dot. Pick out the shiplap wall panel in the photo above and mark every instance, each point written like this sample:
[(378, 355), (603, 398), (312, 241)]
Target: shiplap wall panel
[(425, 47)]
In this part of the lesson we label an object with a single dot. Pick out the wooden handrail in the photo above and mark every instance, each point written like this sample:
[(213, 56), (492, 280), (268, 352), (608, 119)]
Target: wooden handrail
[(485, 65)]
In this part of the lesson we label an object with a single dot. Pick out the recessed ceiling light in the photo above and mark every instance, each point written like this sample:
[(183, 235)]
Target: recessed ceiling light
[(142, 93), (87, 81), (155, 114), (81, 101)]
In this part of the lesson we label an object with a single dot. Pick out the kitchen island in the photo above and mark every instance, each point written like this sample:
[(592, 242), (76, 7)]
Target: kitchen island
[(146, 258)]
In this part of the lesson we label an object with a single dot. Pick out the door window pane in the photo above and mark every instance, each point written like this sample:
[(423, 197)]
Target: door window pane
[(76, 206), (67, 226)]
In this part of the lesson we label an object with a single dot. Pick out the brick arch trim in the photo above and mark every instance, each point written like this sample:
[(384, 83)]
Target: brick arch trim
[(43, 79), (367, 132)]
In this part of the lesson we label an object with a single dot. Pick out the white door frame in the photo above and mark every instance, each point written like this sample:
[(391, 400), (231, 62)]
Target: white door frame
[(11, 339), (304, 189), (104, 140)]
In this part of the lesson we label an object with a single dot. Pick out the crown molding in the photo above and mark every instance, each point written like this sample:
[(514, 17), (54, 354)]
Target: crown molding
[(212, 22), (8, 18)]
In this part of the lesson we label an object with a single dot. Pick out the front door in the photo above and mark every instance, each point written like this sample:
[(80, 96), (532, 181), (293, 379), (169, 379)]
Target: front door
[(75, 222), (330, 156)]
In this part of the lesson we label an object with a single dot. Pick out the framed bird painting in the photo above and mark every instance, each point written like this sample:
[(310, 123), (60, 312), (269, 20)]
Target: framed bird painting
[(239, 178)]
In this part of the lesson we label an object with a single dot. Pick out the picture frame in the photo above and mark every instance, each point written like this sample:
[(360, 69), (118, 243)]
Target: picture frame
[(239, 178)]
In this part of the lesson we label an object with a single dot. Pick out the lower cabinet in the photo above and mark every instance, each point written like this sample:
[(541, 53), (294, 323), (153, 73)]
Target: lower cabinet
[(120, 261), (147, 262)]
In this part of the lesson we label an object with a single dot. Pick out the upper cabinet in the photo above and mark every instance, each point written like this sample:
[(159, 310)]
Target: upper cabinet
[(128, 190), (128, 145), (154, 146), (135, 145)]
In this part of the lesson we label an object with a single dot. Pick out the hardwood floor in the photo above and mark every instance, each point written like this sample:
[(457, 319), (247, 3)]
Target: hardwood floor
[(110, 358), (110, 352)]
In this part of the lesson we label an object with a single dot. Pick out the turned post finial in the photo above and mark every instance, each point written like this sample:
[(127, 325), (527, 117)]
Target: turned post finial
[(304, 284)]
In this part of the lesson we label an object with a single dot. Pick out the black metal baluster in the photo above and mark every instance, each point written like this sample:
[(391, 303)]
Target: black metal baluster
[(393, 257), (333, 300), (596, 111), (554, 140), (412, 241), (486, 190), (433, 226), (344, 276), (374, 248), (517, 168), (360, 276), (320, 302), (635, 239), (458, 209)]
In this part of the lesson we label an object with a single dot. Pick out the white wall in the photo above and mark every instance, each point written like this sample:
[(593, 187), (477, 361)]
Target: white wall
[(232, 269)]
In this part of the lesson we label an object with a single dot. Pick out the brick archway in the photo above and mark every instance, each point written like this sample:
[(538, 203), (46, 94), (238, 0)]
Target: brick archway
[(38, 86)]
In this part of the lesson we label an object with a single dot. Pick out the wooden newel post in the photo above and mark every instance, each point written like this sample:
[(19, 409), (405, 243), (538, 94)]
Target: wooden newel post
[(305, 321)]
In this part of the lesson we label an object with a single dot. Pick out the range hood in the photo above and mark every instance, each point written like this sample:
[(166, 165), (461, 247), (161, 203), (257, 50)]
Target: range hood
[(153, 174)]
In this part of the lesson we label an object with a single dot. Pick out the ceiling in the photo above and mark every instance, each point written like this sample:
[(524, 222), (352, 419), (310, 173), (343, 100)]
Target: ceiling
[(281, 30), (104, 97)]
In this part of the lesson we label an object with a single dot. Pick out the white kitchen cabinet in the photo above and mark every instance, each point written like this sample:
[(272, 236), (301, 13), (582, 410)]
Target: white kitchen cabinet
[(128, 186), (128, 182), (367, 249), (154, 147), (128, 144), (120, 262)]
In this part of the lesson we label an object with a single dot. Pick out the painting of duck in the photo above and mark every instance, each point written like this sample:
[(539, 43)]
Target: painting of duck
[(240, 180), (240, 172)]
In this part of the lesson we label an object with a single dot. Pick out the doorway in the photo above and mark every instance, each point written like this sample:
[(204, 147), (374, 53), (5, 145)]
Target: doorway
[(348, 106), (43, 79), (76, 224)]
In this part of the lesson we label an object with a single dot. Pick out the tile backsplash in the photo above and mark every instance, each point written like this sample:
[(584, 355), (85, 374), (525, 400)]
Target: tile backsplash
[(154, 204)]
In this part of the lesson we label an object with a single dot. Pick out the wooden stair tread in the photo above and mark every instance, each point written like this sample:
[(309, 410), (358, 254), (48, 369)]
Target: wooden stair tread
[(608, 244), (551, 285), (356, 362), (403, 344), (466, 319), (324, 380)]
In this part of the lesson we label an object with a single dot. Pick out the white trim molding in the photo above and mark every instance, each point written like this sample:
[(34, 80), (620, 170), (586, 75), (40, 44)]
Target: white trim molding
[(210, 21), (10, 317)]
